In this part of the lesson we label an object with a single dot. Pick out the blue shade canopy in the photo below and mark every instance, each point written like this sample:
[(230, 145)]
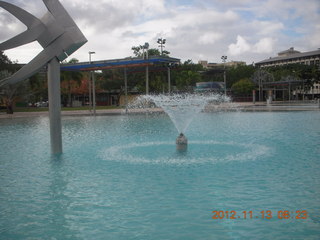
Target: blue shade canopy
[(119, 63)]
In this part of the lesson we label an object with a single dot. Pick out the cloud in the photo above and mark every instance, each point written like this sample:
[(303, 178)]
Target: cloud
[(314, 40), (9, 26), (106, 15), (209, 38), (241, 46), (247, 30), (264, 45), (267, 28)]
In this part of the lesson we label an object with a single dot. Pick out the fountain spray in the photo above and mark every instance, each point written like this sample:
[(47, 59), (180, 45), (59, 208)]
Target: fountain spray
[(182, 109)]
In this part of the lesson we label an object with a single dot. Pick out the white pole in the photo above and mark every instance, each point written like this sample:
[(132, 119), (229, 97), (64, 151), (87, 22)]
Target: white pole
[(224, 58), (260, 88), (54, 94), (90, 88), (94, 93), (225, 81), (147, 80), (126, 88), (290, 91)]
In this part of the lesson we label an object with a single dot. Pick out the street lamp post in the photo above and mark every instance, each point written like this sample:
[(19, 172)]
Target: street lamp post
[(224, 58), (303, 90), (92, 89), (146, 47), (289, 90), (260, 85), (161, 41)]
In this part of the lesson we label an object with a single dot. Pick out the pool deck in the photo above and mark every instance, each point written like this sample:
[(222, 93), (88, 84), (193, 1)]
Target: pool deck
[(279, 106), (99, 112), (237, 106)]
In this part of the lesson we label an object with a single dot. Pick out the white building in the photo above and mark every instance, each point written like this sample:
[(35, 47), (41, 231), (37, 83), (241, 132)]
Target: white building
[(292, 56), (208, 65)]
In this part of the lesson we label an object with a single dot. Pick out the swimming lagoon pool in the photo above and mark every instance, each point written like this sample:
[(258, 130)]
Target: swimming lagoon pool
[(246, 175)]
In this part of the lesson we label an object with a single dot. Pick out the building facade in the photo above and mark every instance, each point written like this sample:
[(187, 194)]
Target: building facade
[(292, 56), (208, 65)]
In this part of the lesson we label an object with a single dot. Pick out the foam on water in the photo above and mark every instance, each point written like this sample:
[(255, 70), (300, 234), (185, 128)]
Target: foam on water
[(200, 152)]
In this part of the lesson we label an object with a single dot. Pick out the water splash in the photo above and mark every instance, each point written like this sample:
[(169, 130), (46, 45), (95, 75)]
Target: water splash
[(181, 108), (203, 152)]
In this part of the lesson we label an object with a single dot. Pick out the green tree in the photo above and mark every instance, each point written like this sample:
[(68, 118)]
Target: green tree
[(70, 79), (5, 63), (113, 79), (308, 74), (10, 93), (243, 87), (7, 92), (38, 87), (187, 75), (34, 89), (187, 78), (262, 75), (138, 51), (236, 73), (157, 79)]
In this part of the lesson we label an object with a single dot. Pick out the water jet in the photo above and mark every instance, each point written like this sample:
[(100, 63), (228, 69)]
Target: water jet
[(182, 109)]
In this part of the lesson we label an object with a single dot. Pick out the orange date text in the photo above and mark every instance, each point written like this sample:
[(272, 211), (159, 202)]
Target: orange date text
[(265, 214)]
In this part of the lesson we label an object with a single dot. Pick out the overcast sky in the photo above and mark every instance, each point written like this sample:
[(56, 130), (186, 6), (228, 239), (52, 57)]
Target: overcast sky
[(244, 30)]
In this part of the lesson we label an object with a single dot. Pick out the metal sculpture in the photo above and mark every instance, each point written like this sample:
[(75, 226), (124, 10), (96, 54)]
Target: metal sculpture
[(58, 34)]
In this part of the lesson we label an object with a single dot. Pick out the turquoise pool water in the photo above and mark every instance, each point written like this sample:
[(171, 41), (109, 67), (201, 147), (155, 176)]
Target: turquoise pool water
[(120, 177)]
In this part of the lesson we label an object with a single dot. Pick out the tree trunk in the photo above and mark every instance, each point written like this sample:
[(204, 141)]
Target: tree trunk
[(9, 108)]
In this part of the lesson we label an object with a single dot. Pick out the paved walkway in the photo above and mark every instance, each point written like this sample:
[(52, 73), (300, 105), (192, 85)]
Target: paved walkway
[(77, 113), (247, 106), (280, 106)]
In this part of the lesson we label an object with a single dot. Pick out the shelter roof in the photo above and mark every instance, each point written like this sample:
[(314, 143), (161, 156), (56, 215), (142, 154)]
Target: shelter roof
[(119, 63)]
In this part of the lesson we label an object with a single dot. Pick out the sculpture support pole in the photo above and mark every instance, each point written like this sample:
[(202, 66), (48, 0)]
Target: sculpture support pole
[(55, 105), (58, 34)]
